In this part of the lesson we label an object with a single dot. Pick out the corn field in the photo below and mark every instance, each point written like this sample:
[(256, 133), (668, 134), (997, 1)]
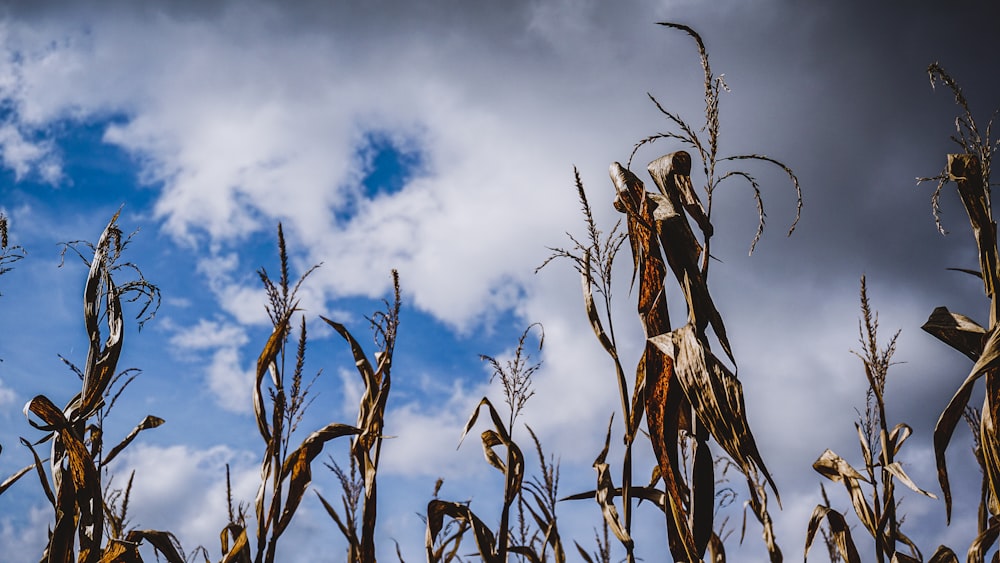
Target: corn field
[(681, 401)]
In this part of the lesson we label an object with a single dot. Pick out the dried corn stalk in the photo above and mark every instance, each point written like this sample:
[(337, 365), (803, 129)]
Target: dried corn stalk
[(285, 472), (970, 171), (73, 483)]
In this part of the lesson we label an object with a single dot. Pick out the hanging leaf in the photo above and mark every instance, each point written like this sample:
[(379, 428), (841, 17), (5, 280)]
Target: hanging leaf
[(839, 530)]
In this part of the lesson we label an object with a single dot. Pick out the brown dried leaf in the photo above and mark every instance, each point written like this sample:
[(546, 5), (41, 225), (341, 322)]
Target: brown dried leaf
[(952, 414), (592, 314), (983, 543), (240, 552), (101, 363), (149, 422), (943, 554), (955, 330), (264, 363), (897, 471), (368, 375), (438, 509), (664, 405), (298, 467), (989, 441), (836, 468), (494, 415), (865, 447), (898, 435), (84, 485), (716, 396), (966, 172), (606, 492), (40, 470), (164, 543), (14, 478), (839, 530)]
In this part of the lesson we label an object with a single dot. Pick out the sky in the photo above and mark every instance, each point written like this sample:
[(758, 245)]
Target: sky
[(440, 139)]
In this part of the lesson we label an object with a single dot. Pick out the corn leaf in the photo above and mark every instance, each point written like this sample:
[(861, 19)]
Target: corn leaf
[(664, 405), (839, 530), (953, 413), (264, 363), (149, 422), (983, 543), (606, 492), (897, 471), (240, 551), (955, 330), (84, 484), (989, 441), (835, 468), (438, 509), (298, 467), (17, 475), (716, 396), (943, 554)]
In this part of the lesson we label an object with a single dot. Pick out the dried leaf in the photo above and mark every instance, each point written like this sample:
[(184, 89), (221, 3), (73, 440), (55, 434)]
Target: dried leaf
[(164, 543), (14, 478), (240, 552), (101, 362), (897, 471), (680, 246), (438, 509), (989, 441), (952, 414), (865, 447), (839, 530), (835, 468), (663, 409), (943, 554), (84, 486), (955, 330), (605, 495), (716, 396), (298, 466), (149, 422), (983, 543), (264, 364)]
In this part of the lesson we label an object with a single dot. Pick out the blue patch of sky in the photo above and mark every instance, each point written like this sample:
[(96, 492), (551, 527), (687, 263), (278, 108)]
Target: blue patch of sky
[(387, 165)]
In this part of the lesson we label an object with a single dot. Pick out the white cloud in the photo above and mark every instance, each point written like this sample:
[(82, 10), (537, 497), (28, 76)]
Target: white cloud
[(23, 156), (7, 395), (210, 334), (183, 490), (230, 383)]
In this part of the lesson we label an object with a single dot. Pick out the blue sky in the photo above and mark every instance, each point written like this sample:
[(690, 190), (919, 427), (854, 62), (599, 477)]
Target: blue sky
[(440, 140)]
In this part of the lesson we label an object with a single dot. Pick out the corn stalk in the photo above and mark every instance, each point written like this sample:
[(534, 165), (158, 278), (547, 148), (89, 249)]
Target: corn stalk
[(285, 472), (85, 512), (366, 447), (970, 172)]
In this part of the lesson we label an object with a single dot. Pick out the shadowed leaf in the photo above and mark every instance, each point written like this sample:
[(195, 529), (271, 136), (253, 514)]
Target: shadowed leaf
[(958, 331), (298, 466), (149, 422), (838, 528), (438, 509)]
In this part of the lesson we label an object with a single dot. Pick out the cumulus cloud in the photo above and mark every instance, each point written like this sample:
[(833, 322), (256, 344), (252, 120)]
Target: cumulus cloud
[(183, 489), (230, 383)]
